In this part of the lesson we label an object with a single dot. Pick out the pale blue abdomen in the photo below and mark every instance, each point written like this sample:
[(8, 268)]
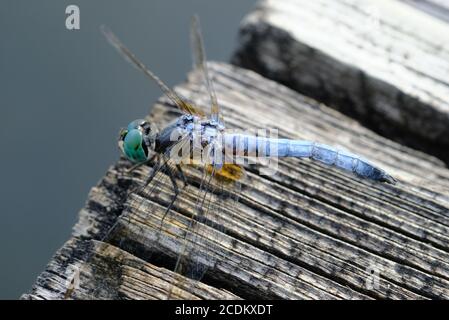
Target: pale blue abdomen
[(250, 146), (333, 157)]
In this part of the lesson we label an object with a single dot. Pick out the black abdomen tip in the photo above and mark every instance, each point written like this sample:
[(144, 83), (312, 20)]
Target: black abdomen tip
[(388, 179)]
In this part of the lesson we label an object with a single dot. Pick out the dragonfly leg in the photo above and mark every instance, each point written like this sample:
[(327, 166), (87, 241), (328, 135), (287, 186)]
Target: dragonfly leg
[(176, 193), (137, 165), (181, 174), (134, 167), (154, 170)]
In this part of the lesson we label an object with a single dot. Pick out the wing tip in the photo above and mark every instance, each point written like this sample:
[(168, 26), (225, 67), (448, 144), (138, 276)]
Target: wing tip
[(105, 30)]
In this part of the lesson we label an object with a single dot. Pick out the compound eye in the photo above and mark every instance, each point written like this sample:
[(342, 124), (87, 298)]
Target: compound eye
[(133, 139), (135, 124), (133, 146)]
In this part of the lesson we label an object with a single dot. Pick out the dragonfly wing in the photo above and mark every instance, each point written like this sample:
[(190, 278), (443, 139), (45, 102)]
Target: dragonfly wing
[(179, 101), (215, 200), (189, 238), (200, 63), (144, 209)]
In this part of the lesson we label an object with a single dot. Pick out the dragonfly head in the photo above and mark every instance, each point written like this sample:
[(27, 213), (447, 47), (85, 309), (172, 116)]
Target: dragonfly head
[(138, 141)]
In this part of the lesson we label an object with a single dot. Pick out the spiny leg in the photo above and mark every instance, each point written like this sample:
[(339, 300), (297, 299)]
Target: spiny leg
[(133, 167), (176, 190), (155, 169), (181, 174), (137, 165)]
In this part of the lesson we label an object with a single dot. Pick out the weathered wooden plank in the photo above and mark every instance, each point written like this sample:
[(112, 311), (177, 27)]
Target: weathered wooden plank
[(111, 273), (383, 62), (308, 232), (437, 8)]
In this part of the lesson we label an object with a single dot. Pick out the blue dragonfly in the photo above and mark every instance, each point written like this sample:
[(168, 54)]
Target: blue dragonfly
[(200, 140), (141, 142)]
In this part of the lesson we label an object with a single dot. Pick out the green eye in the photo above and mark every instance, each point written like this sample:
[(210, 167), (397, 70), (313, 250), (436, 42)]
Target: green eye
[(133, 139), (135, 124), (132, 146)]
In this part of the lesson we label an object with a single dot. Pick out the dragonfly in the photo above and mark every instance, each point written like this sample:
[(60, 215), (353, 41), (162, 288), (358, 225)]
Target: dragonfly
[(207, 145)]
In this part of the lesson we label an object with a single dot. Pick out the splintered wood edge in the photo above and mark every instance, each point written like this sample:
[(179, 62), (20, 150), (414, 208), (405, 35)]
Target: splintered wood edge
[(113, 273)]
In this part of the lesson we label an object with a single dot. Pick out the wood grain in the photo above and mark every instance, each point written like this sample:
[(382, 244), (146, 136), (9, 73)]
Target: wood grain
[(307, 232), (383, 62)]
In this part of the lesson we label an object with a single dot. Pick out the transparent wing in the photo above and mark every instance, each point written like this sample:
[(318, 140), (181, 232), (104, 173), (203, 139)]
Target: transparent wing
[(130, 57), (216, 196), (186, 237), (187, 234), (200, 63), (145, 201)]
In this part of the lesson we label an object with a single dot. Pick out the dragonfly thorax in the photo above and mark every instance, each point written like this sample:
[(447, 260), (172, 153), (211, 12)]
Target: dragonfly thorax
[(191, 137)]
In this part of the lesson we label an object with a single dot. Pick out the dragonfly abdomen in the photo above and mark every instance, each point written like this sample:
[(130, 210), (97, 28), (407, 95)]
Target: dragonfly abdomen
[(252, 146), (331, 156)]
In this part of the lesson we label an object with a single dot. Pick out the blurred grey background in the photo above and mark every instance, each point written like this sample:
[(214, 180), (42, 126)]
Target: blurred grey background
[(63, 97)]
